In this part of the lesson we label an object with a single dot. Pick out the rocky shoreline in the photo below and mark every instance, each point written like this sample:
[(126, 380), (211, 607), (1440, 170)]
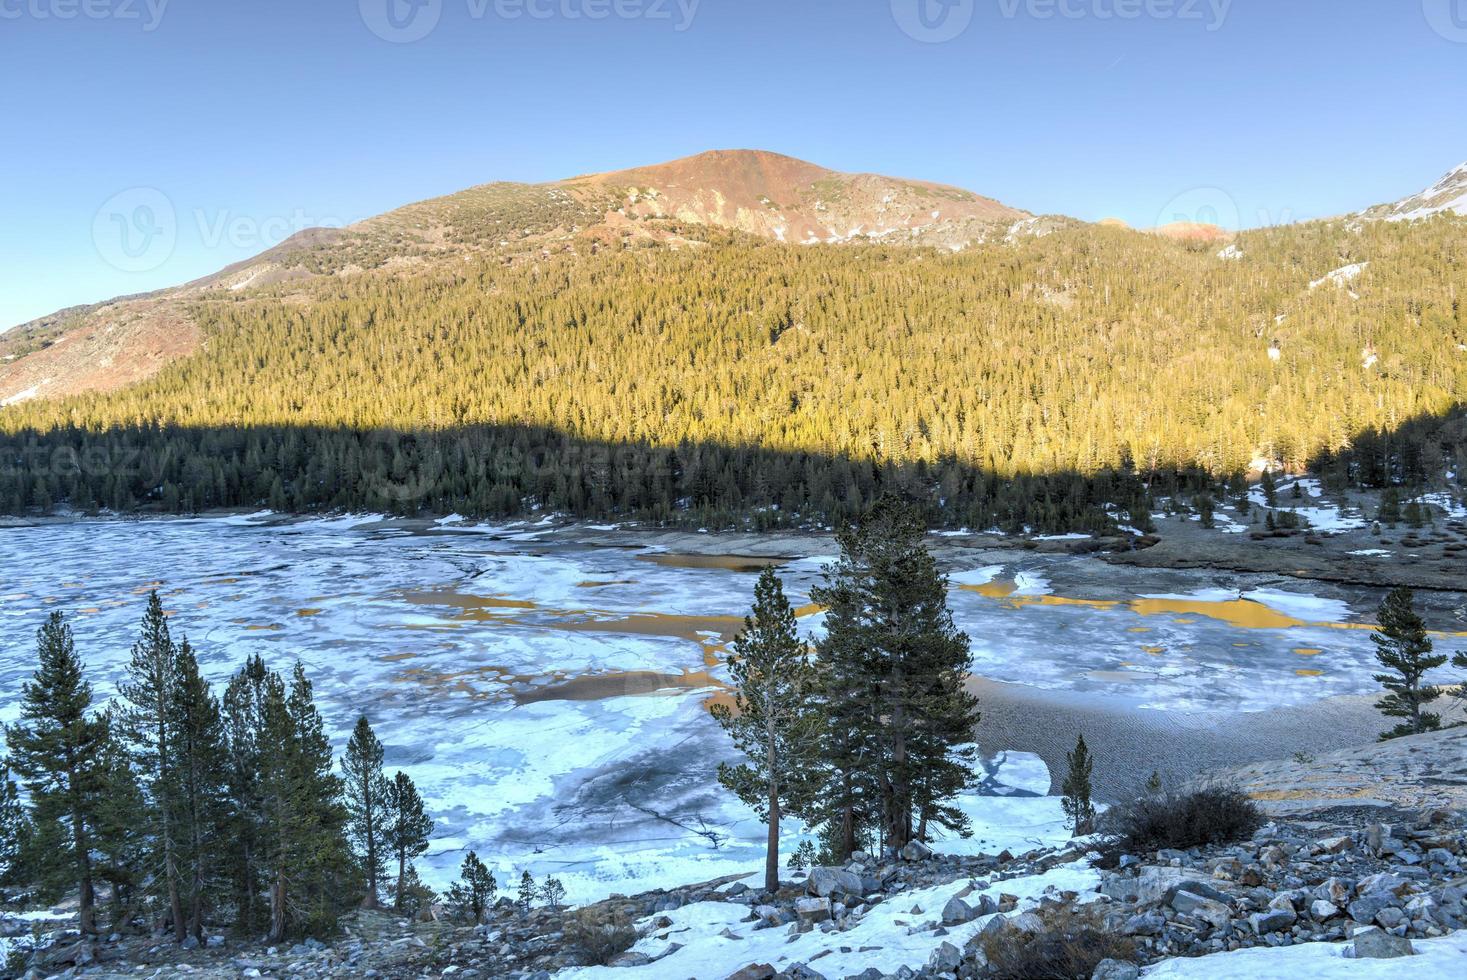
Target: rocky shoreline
[(1350, 878)]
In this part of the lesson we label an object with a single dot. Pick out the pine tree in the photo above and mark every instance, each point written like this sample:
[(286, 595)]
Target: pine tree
[(15, 829), (1079, 810), (473, 895), (244, 841), (552, 892), (306, 858), (122, 854), (897, 669), (366, 800), (1153, 784), (408, 827), (1389, 512), (527, 894), (56, 747), (1270, 489), (772, 720), (148, 692), (1405, 651), (200, 775)]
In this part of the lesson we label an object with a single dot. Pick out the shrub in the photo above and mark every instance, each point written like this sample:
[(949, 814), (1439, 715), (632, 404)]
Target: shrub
[(599, 937), (1072, 944), (1212, 815)]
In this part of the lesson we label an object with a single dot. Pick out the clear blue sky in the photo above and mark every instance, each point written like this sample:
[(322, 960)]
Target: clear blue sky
[(252, 117)]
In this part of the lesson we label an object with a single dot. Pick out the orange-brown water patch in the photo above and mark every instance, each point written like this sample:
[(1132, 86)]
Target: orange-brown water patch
[(1308, 652), (729, 563), (470, 604), (1310, 673), (308, 613), (631, 683)]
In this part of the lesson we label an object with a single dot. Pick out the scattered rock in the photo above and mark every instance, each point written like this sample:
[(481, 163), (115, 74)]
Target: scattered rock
[(1376, 944)]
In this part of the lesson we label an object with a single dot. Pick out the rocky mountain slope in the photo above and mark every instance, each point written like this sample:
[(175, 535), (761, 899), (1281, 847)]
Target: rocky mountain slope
[(108, 345), (1447, 195)]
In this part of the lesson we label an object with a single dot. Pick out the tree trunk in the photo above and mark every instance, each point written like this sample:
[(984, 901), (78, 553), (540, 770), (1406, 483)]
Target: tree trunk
[(772, 850), (401, 871), (87, 896), (370, 900), (277, 907)]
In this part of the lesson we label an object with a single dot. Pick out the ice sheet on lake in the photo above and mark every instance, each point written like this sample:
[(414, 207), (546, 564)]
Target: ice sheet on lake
[(550, 697)]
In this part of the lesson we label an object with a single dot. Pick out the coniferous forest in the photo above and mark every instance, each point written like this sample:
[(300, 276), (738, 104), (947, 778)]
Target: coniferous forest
[(1057, 382)]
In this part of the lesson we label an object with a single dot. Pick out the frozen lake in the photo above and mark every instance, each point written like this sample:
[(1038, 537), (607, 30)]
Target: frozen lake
[(549, 693)]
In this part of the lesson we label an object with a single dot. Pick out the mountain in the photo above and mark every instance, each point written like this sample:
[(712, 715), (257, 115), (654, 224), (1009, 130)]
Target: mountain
[(109, 345), (1447, 195)]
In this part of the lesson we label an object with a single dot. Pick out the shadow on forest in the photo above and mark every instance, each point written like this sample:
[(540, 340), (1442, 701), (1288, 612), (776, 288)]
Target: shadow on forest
[(493, 471)]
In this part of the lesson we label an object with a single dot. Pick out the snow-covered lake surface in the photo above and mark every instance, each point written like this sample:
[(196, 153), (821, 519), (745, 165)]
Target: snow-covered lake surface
[(549, 696)]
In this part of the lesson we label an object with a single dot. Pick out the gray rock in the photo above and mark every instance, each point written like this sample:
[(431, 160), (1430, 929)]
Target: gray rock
[(945, 959), (916, 851), (1143, 924), (1390, 917), (1322, 910), (1376, 944), (1367, 907), (1273, 920), (1214, 913), (1115, 970), (826, 882), (812, 910), (956, 912)]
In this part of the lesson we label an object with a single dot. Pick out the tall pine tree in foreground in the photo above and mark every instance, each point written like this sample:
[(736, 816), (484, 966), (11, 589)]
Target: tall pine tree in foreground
[(56, 747), (408, 827), (199, 774), (122, 850), (305, 858), (1405, 651), (148, 693), (1078, 807), (771, 720), (243, 841), (901, 716), (366, 799)]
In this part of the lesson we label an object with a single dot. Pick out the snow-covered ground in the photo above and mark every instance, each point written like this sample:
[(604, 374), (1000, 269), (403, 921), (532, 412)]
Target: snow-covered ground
[(717, 942), (1435, 958), (549, 697)]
